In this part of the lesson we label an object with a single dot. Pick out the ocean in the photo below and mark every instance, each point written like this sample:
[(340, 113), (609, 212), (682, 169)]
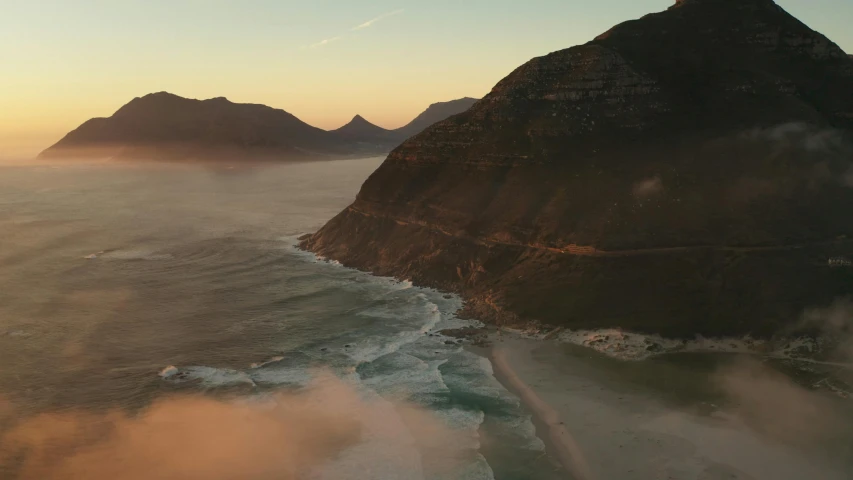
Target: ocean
[(158, 321), (126, 289)]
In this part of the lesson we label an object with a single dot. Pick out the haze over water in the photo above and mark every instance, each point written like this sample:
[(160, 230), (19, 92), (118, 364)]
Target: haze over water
[(110, 274), (156, 321)]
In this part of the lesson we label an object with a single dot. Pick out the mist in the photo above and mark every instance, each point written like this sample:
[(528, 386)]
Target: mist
[(281, 436), (834, 326)]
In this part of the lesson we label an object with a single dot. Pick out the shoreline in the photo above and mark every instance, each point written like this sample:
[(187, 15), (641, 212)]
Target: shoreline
[(619, 342), (597, 425), (595, 428), (560, 446)]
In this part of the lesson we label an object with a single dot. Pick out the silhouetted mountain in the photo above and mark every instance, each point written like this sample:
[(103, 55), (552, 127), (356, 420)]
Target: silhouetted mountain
[(362, 131), (358, 127), (436, 112), (164, 126), (168, 127), (685, 173)]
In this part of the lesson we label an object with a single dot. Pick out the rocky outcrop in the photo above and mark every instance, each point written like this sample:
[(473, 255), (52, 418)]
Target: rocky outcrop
[(167, 127), (685, 173)]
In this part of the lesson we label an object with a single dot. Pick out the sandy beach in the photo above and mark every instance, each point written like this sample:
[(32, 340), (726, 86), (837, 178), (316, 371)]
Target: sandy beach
[(608, 419)]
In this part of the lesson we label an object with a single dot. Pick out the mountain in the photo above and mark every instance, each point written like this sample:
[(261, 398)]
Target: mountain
[(164, 126), (685, 173), (435, 113), (358, 127), (368, 135), (361, 130), (169, 127)]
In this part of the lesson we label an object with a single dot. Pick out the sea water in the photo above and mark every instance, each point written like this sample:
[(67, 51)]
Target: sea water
[(123, 284)]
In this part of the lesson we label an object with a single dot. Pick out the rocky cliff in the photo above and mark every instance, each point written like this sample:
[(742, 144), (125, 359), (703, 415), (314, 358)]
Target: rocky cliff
[(685, 173)]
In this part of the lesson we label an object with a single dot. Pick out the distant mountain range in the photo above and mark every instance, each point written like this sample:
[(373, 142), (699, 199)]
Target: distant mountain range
[(361, 130), (163, 126)]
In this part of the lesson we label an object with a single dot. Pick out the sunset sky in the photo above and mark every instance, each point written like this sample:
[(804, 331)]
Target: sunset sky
[(324, 61)]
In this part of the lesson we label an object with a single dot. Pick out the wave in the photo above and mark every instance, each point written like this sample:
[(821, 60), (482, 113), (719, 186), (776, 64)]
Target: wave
[(207, 376), (285, 376), (267, 362), (395, 354)]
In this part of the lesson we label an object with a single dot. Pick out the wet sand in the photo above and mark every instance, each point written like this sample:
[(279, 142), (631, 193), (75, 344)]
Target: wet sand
[(604, 419)]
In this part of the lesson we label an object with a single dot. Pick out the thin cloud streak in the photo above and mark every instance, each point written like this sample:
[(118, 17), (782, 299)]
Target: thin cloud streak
[(380, 17), (324, 42), (364, 25)]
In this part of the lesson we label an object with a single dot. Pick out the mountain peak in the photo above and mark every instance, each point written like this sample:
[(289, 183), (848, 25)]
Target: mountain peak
[(360, 128), (160, 96)]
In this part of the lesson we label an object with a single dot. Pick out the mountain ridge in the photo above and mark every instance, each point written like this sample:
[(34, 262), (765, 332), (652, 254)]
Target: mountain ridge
[(168, 127)]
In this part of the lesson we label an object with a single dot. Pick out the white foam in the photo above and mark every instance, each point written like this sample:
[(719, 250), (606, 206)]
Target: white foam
[(626, 345), (373, 347), (267, 362), (209, 376), (16, 333), (281, 376), (409, 377)]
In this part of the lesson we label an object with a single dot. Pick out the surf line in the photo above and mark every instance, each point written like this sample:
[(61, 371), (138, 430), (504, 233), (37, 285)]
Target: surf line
[(567, 449)]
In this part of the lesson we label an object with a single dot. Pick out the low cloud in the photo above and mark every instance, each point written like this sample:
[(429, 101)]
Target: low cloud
[(774, 405), (834, 324), (805, 136), (648, 187), (282, 436)]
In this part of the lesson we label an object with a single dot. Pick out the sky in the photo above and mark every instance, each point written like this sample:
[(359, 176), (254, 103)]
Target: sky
[(63, 62)]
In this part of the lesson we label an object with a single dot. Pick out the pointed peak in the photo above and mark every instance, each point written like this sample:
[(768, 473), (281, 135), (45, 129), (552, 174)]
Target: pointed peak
[(360, 122)]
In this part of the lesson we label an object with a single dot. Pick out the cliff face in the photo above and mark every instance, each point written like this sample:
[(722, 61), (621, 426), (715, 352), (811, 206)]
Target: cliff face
[(688, 172)]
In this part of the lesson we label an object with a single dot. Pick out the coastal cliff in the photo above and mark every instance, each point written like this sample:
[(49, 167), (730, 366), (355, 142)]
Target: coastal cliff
[(685, 173)]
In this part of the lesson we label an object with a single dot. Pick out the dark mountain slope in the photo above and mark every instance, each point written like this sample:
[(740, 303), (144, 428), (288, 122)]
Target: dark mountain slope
[(688, 172), (435, 113)]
